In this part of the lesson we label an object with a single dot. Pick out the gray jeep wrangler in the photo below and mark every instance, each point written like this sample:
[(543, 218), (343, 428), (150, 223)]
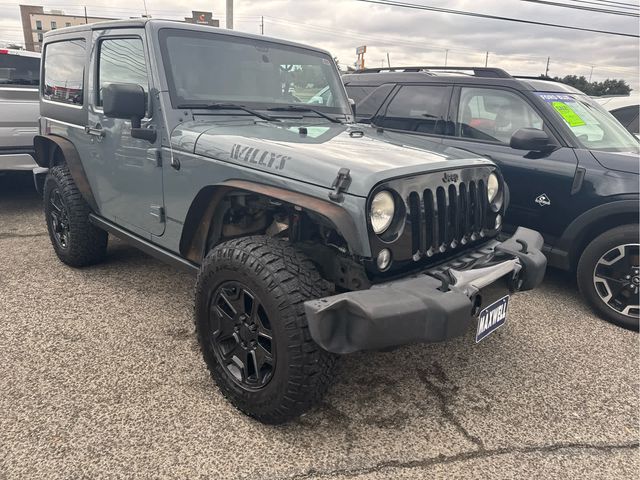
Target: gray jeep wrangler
[(235, 156)]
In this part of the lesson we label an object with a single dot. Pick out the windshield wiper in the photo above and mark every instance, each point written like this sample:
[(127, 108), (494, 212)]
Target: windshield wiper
[(229, 106), (293, 108)]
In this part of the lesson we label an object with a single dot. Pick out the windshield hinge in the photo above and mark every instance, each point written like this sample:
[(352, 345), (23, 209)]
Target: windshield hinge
[(340, 184)]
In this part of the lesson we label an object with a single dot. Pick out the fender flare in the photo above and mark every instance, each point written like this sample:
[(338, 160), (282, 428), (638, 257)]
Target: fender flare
[(45, 155), (573, 235), (203, 210)]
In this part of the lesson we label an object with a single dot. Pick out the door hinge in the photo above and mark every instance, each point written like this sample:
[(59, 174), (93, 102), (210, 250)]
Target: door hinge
[(340, 185), (154, 155), (158, 212)]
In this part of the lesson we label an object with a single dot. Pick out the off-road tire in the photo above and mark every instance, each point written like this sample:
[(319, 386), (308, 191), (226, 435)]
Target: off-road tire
[(283, 278), (625, 234), (87, 244)]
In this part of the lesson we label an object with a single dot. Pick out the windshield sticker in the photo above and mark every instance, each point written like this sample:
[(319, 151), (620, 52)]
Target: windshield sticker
[(569, 116), (556, 97)]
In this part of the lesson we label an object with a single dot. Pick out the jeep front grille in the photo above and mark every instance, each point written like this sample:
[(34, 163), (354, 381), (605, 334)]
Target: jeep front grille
[(446, 217)]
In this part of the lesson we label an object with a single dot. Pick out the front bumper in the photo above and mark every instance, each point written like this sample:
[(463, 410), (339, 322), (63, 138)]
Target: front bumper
[(433, 306)]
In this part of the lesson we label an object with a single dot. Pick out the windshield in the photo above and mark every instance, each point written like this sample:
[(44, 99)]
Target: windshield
[(593, 126), (205, 68), (19, 70)]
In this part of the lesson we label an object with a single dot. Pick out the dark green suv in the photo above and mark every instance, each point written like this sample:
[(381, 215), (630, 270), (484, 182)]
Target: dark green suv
[(572, 168)]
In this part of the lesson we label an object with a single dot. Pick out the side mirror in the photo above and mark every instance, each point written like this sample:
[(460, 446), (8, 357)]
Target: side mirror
[(352, 102), (532, 140), (127, 101)]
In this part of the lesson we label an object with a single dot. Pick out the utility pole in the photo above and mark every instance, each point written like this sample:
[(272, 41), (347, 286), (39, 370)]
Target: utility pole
[(590, 75), (388, 61), (446, 56), (86, 20), (230, 14), (546, 71), (261, 25), (486, 60)]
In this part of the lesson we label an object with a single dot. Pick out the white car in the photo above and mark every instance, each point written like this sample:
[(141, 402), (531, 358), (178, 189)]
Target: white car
[(19, 108), (625, 109)]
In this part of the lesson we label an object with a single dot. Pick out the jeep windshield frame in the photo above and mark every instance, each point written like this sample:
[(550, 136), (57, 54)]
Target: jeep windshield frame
[(204, 68)]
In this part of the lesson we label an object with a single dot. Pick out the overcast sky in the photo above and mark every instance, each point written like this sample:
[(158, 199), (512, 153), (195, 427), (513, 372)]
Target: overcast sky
[(411, 37)]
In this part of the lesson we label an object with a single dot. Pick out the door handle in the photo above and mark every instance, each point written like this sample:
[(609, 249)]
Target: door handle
[(96, 131)]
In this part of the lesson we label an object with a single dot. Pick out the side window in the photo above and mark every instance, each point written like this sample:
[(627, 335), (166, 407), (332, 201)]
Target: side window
[(626, 114), (370, 104), (493, 115), (19, 70), (634, 125), (358, 92), (418, 108), (64, 72), (121, 60)]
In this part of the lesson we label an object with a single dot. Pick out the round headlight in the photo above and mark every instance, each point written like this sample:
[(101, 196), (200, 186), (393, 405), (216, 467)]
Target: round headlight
[(493, 187), (382, 210)]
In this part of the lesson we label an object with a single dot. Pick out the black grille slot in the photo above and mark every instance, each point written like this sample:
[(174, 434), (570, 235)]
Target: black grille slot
[(445, 218)]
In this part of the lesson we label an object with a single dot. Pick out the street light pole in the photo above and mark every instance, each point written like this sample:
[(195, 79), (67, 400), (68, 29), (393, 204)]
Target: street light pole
[(230, 14)]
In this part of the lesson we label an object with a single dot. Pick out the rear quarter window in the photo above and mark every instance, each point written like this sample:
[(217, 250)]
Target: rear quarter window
[(626, 115), (358, 92), (19, 70), (64, 72)]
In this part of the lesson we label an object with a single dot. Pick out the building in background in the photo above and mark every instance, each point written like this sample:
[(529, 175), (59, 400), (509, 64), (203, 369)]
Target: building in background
[(202, 18), (36, 22)]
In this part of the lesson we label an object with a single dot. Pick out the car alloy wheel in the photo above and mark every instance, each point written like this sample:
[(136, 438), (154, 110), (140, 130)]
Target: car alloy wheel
[(59, 218), (241, 335), (616, 278)]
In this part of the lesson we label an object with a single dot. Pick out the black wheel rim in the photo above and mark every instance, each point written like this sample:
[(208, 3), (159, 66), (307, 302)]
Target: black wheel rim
[(59, 218), (241, 336), (616, 278)]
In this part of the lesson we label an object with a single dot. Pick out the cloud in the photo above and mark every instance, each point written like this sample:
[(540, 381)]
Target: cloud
[(411, 37)]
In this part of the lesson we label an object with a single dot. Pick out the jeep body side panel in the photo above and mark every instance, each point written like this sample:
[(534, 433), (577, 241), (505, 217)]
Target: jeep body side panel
[(196, 173), (124, 172)]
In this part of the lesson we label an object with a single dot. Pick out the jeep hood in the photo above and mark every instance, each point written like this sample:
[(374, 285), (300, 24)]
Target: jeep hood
[(315, 153), (627, 162)]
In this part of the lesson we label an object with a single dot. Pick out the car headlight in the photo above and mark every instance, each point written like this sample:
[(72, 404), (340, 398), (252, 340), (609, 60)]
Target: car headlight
[(382, 210), (493, 187)]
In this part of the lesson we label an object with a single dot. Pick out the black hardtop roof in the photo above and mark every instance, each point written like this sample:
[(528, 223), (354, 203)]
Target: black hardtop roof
[(481, 76), (159, 23)]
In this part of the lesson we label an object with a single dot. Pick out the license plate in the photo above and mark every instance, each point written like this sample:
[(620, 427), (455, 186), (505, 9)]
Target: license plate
[(492, 317)]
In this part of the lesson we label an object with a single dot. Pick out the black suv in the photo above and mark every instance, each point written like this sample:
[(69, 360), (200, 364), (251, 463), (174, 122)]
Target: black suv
[(572, 169)]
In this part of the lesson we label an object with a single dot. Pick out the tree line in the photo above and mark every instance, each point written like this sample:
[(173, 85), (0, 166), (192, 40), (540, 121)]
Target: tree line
[(610, 86)]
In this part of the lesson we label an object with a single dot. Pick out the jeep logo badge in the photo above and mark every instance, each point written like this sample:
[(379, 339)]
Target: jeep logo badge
[(450, 177)]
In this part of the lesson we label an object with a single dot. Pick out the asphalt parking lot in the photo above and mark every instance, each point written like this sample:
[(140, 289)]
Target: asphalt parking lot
[(101, 376)]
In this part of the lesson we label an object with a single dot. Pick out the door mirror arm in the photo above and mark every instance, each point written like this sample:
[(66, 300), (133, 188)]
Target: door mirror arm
[(352, 102), (148, 134)]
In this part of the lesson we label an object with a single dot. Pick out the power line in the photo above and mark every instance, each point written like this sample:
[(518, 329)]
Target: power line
[(578, 7), (621, 7), (466, 13), (612, 4)]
